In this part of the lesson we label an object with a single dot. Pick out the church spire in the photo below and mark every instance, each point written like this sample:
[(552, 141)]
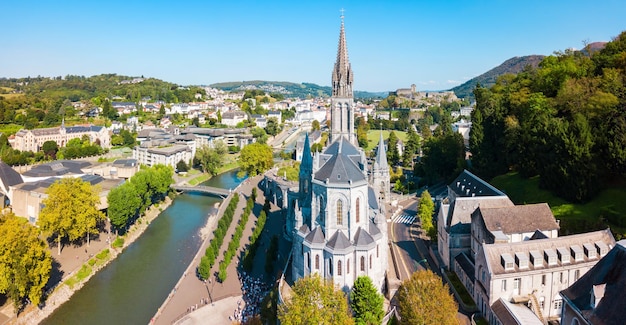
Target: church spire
[(307, 158), (381, 155), (342, 101)]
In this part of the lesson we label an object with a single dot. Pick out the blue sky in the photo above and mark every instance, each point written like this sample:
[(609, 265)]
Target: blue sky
[(392, 44)]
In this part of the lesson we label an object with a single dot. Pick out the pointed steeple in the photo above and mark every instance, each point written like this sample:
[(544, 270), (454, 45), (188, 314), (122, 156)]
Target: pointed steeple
[(381, 155), (307, 158), (342, 73)]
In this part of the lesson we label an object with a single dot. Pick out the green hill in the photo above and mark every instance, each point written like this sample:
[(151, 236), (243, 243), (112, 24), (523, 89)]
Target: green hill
[(289, 89), (488, 79)]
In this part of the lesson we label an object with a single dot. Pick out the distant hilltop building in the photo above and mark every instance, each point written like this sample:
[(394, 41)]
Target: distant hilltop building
[(336, 219), (434, 96), (33, 140)]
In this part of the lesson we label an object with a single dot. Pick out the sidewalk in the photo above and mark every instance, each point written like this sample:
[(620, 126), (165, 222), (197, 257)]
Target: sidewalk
[(190, 294)]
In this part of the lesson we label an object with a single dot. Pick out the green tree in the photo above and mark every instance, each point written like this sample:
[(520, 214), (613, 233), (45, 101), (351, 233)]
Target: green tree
[(124, 203), (70, 210), (25, 262), (255, 159), (315, 125), (426, 209), (181, 166), (50, 149), (259, 134), (393, 157), (424, 299), (315, 301), (366, 302), (272, 128), (212, 159)]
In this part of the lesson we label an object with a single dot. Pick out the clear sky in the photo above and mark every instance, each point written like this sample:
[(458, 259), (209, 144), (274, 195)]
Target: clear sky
[(434, 44)]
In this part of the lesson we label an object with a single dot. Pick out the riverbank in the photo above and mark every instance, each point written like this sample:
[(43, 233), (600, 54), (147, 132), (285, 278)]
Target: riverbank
[(62, 292)]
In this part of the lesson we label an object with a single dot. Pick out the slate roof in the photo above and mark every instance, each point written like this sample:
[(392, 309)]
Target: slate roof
[(466, 265), (316, 236), (462, 208), (493, 252), (374, 231), (610, 270), (371, 198), (125, 163), (339, 241), (8, 176), (340, 170), (57, 168), (470, 185), (518, 218), (342, 145), (362, 239)]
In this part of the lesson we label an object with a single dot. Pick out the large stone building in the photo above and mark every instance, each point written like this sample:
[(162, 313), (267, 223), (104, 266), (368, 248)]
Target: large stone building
[(335, 217), (33, 140)]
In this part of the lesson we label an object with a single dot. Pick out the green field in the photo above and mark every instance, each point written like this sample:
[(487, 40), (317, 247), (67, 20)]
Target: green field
[(605, 210), (374, 135)]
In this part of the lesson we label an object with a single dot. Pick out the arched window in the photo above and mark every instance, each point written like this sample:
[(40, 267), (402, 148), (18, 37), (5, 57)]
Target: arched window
[(339, 212), (362, 263), (358, 209), (348, 267), (370, 262), (317, 262), (339, 267)]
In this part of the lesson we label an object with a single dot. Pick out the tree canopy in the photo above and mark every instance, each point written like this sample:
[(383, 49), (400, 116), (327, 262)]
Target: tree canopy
[(423, 299), (563, 121), (211, 159), (25, 261), (315, 301), (255, 159), (366, 302), (426, 209), (70, 210)]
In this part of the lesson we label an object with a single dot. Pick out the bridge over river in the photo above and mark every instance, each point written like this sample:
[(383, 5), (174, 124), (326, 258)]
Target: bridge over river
[(203, 189)]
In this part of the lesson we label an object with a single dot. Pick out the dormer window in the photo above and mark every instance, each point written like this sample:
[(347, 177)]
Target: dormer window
[(536, 259), (577, 253), (564, 255), (507, 262), (522, 260), (590, 250), (550, 256)]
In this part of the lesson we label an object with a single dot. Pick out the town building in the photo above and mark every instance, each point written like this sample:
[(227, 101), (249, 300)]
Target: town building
[(232, 118), (157, 146), (535, 271), (33, 140), (465, 194), (597, 297)]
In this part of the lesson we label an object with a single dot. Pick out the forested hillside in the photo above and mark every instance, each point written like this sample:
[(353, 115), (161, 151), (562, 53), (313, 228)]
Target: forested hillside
[(488, 79), (564, 121), (40, 102)]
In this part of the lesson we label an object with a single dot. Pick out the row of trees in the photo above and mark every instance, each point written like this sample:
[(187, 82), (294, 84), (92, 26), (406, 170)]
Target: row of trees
[(316, 301), (130, 200), (248, 258), (422, 299), (564, 121), (212, 252), (235, 241)]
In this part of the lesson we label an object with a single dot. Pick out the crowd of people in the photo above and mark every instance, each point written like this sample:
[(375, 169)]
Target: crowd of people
[(253, 290)]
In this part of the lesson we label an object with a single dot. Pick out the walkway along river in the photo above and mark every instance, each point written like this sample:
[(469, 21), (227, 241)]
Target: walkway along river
[(132, 287)]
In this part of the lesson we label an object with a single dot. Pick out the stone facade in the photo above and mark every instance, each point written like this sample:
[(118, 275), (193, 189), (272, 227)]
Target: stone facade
[(33, 140)]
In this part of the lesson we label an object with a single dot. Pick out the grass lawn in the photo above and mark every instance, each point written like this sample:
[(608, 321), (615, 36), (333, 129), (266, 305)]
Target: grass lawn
[(374, 135), (605, 210), (460, 288)]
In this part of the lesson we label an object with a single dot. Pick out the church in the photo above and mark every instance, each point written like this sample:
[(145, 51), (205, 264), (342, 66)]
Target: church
[(335, 217)]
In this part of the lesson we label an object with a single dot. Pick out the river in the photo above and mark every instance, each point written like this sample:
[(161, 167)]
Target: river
[(132, 287)]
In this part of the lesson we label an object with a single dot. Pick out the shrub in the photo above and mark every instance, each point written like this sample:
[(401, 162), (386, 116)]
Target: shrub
[(118, 242)]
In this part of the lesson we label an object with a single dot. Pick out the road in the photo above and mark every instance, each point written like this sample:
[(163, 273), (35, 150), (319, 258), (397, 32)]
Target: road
[(409, 247)]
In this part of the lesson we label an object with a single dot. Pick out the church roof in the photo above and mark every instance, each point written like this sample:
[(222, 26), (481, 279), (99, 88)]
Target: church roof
[(338, 241), (371, 198), (342, 145), (362, 238), (340, 169), (316, 236), (304, 229), (381, 155), (374, 231), (342, 72)]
